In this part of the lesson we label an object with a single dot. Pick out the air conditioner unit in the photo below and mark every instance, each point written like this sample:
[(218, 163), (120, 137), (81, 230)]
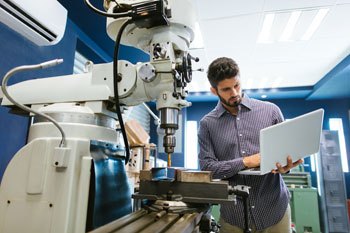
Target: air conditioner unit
[(41, 21)]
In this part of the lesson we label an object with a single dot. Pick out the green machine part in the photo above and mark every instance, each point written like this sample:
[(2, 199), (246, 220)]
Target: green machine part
[(303, 203), (215, 212), (304, 208)]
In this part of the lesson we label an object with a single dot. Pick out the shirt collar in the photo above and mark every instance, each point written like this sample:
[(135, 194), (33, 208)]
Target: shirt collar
[(246, 102)]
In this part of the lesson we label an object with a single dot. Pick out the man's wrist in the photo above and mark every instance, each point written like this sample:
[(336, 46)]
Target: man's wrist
[(245, 161)]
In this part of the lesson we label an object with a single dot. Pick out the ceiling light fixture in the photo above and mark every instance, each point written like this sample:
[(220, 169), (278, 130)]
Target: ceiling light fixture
[(315, 24), (263, 96), (288, 30), (266, 29)]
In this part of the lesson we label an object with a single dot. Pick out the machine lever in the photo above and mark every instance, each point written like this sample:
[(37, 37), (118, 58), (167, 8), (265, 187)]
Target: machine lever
[(242, 191)]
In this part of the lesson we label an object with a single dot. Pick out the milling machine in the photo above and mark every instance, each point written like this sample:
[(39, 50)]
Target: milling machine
[(70, 176)]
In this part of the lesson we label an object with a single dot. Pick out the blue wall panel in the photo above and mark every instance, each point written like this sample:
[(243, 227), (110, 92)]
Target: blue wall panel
[(16, 50)]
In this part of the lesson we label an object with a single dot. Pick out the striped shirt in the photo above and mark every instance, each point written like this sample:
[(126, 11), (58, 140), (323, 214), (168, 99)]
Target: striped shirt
[(224, 139)]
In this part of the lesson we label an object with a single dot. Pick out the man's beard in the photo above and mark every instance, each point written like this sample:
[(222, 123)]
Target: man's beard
[(234, 104)]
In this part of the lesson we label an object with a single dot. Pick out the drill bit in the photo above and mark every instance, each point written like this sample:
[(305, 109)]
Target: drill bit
[(169, 160)]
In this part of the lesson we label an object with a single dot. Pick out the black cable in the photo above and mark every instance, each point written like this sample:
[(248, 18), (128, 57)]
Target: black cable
[(115, 69), (117, 3), (115, 15), (116, 93)]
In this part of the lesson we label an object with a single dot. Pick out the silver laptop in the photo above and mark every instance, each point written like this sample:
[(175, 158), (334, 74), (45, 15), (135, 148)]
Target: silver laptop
[(297, 138)]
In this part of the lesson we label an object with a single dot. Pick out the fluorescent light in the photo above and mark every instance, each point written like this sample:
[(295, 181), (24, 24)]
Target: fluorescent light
[(191, 150), (315, 24), (288, 30), (263, 96), (266, 29), (337, 124), (313, 163), (318, 177)]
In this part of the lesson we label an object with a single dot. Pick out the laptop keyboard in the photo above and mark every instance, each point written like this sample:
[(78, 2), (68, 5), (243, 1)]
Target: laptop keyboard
[(255, 169)]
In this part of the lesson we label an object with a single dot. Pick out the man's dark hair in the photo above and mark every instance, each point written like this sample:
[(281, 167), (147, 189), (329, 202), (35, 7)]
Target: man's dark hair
[(220, 69)]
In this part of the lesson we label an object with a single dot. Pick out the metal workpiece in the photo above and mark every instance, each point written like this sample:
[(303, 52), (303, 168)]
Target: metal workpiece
[(158, 173), (194, 176), (176, 173)]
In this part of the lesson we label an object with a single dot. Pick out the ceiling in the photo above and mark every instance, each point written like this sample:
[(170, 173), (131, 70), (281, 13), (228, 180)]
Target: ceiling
[(289, 67)]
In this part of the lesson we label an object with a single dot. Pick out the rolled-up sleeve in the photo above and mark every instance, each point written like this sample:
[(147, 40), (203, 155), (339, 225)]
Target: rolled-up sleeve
[(208, 161)]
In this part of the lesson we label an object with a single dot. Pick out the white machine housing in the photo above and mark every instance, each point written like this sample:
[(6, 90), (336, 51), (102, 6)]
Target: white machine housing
[(42, 22), (180, 29)]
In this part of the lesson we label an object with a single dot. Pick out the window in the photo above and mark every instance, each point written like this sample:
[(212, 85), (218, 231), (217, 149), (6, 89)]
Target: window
[(139, 113), (191, 150), (313, 161), (79, 62), (337, 125)]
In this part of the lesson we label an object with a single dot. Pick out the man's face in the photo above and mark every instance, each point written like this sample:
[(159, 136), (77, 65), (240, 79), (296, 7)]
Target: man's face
[(229, 91)]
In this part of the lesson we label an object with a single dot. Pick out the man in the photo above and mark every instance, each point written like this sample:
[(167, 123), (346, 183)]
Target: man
[(229, 141)]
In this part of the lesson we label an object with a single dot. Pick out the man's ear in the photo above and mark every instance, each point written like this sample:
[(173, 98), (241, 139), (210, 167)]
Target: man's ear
[(213, 90)]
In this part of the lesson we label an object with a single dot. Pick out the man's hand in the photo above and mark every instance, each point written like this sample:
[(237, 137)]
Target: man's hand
[(252, 160), (286, 168)]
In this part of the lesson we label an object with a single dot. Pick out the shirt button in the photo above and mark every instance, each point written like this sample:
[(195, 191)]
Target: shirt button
[(240, 135), (253, 206), (224, 176), (243, 152), (238, 118)]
